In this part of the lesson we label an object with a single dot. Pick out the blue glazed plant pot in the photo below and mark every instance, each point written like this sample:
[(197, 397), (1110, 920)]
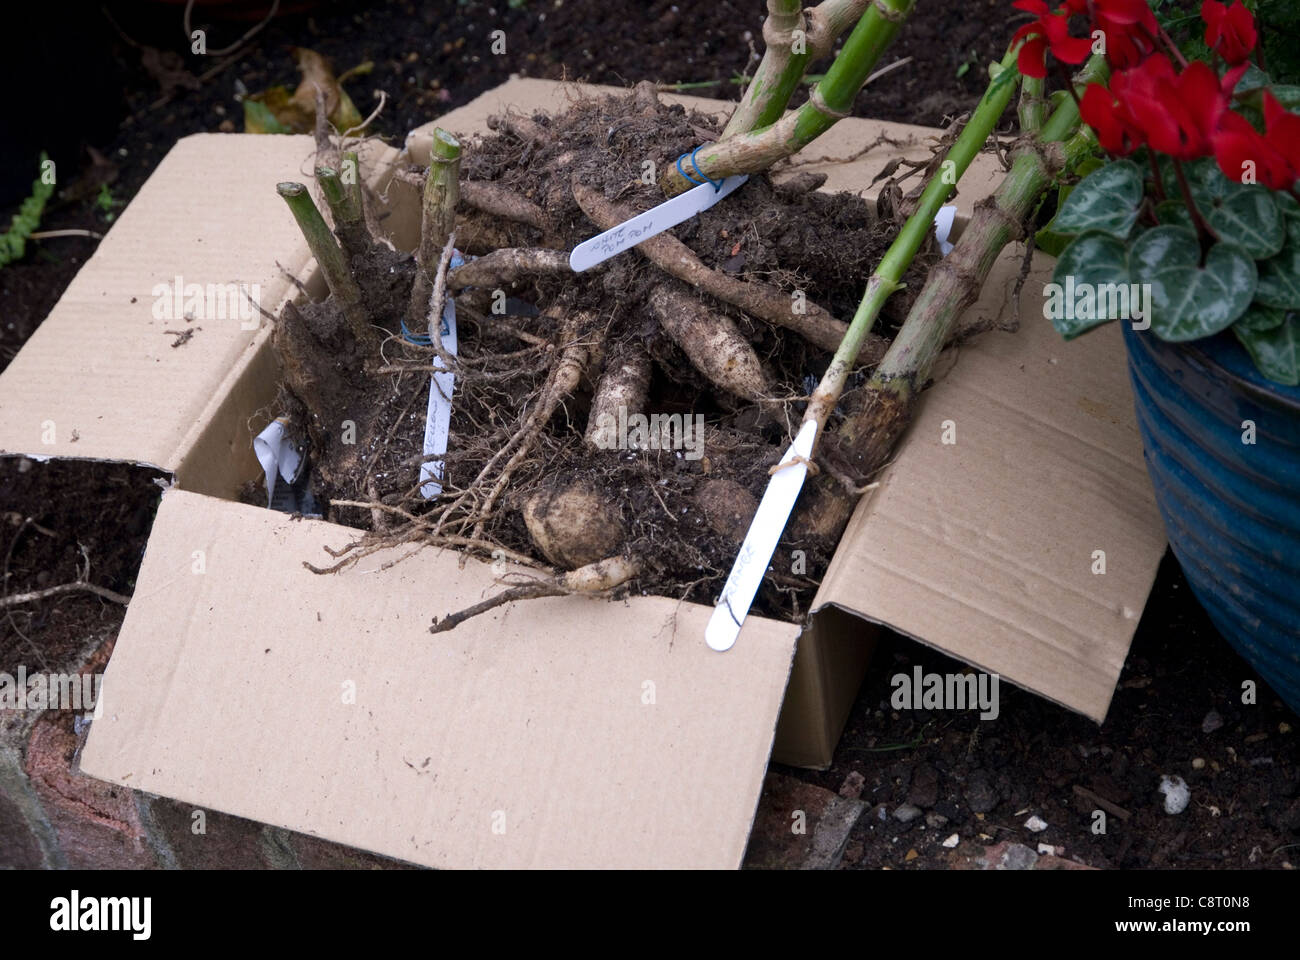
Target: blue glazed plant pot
[(1231, 507)]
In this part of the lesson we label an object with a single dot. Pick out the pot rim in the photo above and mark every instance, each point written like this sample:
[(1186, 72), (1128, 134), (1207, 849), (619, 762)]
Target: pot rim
[(1226, 359)]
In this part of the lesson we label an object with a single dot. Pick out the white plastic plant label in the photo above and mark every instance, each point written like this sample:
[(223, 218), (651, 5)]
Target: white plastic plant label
[(646, 225), (760, 542), (277, 454), (943, 221), (437, 425)]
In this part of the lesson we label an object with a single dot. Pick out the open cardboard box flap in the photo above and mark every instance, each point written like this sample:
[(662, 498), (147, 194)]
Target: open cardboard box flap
[(985, 546), (588, 733), (565, 732)]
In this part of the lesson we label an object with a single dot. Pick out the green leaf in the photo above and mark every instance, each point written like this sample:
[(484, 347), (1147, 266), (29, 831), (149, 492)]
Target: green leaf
[(1105, 200), (1189, 302), (1245, 215), (1086, 279), (258, 118), (1276, 351), (1288, 204), (1051, 242), (1287, 95), (1199, 173), (1174, 212), (1279, 277), (1260, 318), (1253, 79), (1165, 246)]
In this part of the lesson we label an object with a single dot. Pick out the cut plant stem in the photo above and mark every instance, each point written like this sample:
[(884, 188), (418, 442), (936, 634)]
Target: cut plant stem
[(329, 255), (438, 219), (829, 101), (787, 56), (888, 275), (345, 208), (865, 440)]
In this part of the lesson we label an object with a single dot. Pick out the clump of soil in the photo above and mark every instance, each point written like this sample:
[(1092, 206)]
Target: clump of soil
[(523, 474)]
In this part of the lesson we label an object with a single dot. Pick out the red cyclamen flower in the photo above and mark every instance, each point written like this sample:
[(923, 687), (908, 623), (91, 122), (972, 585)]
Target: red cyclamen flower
[(1229, 30), (1051, 30), (1130, 30), (1179, 112)]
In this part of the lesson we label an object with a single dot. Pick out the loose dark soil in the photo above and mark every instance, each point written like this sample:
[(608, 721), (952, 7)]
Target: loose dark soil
[(785, 238), (430, 59)]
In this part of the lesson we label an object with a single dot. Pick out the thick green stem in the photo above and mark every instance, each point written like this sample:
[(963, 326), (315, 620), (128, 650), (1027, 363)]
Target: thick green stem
[(329, 255), (889, 274), (830, 100), (785, 56), (438, 219), (1032, 109), (345, 208), (866, 440), (791, 45)]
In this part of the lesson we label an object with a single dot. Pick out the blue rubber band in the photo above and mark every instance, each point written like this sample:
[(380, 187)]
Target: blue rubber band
[(685, 174), (717, 184)]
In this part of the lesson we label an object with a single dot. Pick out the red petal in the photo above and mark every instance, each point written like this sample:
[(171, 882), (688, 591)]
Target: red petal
[(1032, 59)]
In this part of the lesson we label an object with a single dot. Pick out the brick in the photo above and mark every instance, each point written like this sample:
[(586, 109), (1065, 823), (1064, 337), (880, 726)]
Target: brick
[(313, 853), (226, 843), (19, 847), (96, 824), (827, 820)]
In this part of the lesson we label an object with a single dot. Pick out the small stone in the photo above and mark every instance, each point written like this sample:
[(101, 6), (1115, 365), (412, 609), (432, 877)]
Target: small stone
[(907, 813), (1211, 722), (1198, 763), (1177, 794), (910, 855), (935, 820), (952, 841), (1284, 727), (852, 785), (1049, 850), (1036, 824)]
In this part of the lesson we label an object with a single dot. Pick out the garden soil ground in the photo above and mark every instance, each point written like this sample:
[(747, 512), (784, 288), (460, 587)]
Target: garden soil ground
[(1179, 697)]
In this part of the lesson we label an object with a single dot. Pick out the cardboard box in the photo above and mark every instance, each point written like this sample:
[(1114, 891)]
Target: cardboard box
[(564, 732)]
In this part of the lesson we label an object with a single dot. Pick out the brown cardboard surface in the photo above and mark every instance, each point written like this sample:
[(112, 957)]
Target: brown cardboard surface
[(99, 376), (847, 138), (592, 734), (983, 548)]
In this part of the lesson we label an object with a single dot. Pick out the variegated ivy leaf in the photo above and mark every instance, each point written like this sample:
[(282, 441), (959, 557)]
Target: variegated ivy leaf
[(1167, 245), (1260, 318), (1245, 215), (1279, 277), (1090, 279), (1190, 301), (1174, 212), (1106, 200), (1276, 351), (1288, 204)]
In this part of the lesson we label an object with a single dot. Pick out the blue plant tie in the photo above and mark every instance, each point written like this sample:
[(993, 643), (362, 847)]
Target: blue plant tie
[(717, 184)]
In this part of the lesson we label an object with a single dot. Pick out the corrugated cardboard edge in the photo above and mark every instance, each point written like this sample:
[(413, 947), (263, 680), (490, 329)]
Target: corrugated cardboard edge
[(531, 737), (984, 547)]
